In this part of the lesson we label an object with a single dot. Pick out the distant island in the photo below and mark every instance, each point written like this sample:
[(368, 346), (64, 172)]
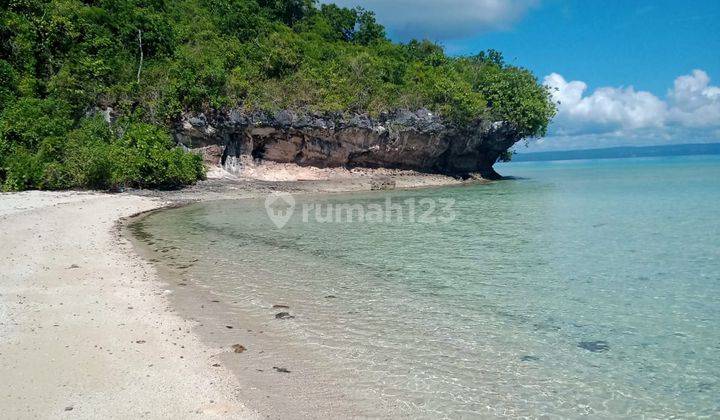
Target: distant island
[(622, 152)]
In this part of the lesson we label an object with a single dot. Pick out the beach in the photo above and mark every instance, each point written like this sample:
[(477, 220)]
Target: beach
[(86, 329)]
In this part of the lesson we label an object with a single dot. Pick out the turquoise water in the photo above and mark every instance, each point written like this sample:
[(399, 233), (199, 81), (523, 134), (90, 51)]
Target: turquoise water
[(579, 288)]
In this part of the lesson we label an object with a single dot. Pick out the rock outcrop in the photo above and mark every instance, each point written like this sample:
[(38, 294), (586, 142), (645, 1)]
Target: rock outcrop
[(404, 140)]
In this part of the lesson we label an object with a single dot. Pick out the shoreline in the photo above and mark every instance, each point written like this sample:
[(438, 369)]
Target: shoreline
[(76, 298)]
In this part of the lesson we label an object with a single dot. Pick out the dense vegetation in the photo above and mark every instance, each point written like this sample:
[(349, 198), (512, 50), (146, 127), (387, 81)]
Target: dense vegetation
[(152, 59)]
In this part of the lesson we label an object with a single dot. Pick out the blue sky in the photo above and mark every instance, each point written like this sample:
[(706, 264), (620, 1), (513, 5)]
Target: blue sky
[(611, 43), (627, 72)]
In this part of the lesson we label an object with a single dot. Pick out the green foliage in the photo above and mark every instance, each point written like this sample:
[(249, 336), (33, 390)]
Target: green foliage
[(237, 18), (48, 154), (29, 121), (153, 160), (22, 170), (349, 25), (8, 84), (60, 59), (288, 11), (506, 156), (369, 31)]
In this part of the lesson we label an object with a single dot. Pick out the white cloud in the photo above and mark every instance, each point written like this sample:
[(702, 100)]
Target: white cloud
[(696, 103), (607, 109), (623, 115), (442, 19)]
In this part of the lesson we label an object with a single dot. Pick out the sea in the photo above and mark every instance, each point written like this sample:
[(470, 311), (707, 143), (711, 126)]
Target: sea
[(574, 288)]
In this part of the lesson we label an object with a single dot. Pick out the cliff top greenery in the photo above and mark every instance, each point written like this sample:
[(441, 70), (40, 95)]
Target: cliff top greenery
[(153, 59)]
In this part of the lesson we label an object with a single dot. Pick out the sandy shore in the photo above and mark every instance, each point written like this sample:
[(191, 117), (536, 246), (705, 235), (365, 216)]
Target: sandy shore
[(86, 329)]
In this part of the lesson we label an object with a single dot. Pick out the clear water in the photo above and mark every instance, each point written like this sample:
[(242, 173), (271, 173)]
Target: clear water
[(580, 288)]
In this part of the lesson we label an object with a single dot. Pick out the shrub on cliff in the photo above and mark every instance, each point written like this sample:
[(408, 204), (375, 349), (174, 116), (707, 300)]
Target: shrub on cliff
[(150, 159)]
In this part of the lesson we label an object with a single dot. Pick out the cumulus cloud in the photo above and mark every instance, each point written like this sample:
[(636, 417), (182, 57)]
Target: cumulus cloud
[(606, 109), (696, 103), (442, 19), (691, 111)]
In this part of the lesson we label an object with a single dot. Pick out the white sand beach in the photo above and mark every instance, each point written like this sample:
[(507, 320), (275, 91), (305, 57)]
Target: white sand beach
[(85, 329)]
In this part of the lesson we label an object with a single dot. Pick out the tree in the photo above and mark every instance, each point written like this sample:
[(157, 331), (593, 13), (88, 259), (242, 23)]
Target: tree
[(288, 11), (490, 56), (341, 20), (368, 31)]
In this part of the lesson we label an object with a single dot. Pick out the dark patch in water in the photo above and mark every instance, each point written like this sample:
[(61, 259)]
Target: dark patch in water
[(528, 358), (704, 386), (595, 346), (183, 266), (138, 230), (546, 327)]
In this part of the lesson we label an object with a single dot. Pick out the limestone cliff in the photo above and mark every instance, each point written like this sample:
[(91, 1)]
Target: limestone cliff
[(405, 140)]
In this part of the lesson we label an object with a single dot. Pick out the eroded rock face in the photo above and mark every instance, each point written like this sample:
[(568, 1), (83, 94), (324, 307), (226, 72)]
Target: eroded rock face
[(404, 140)]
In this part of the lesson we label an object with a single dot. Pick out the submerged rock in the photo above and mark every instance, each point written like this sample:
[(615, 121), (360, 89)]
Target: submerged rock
[(594, 346), (402, 139)]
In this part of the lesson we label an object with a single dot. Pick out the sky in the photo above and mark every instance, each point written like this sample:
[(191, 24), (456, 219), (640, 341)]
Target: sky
[(626, 73)]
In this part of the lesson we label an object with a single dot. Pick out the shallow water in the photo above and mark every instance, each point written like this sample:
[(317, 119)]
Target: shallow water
[(582, 287)]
